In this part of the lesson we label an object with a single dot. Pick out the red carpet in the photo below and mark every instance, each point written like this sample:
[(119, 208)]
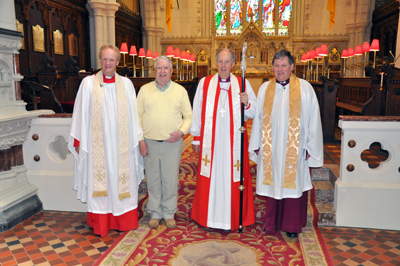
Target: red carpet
[(191, 244)]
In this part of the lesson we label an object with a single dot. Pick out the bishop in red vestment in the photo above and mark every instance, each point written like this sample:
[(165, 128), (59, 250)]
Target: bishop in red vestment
[(215, 127)]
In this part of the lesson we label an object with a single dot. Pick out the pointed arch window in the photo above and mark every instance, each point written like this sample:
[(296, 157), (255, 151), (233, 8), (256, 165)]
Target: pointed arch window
[(229, 14)]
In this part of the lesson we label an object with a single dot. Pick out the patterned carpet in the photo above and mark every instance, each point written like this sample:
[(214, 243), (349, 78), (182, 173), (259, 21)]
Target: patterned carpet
[(191, 244)]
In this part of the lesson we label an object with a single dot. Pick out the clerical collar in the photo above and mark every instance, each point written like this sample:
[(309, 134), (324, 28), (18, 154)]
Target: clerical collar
[(224, 80), (283, 83), (107, 79)]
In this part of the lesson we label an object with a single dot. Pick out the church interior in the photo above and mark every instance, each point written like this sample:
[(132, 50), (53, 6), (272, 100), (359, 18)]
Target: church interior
[(348, 50)]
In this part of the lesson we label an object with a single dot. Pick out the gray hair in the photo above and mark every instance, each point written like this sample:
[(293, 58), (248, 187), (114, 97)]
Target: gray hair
[(281, 54), (109, 46), (165, 58), (225, 49)]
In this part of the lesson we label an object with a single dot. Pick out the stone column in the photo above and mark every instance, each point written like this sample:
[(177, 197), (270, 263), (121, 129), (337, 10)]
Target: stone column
[(111, 9), (102, 27)]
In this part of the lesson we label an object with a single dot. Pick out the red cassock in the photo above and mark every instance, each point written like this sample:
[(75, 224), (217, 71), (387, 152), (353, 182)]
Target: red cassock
[(103, 223), (201, 198)]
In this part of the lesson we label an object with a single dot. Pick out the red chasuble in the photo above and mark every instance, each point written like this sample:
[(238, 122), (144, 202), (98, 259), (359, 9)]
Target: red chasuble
[(201, 198)]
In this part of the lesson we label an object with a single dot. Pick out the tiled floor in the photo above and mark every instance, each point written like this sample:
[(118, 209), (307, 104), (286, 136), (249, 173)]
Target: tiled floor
[(63, 238)]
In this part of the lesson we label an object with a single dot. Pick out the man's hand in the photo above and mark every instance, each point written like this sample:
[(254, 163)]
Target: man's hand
[(77, 149), (196, 148), (143, 148), (244, 98), (175, 136)]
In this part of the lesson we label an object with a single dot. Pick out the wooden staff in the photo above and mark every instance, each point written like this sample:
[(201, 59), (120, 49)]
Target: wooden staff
[(242, 129)]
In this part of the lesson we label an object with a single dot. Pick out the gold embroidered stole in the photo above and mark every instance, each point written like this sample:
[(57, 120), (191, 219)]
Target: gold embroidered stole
[(292, 146), (99, 166)]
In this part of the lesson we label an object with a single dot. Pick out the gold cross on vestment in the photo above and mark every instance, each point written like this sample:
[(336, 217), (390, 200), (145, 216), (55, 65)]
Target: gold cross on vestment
[(205, 161), (237, 165)]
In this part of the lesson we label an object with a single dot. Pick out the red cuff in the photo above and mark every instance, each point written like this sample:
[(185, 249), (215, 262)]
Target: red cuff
[(196, 138), (248, 106), (76, 143)]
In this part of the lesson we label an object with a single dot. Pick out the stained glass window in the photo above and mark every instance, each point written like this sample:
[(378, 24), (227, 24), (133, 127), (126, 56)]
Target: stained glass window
[(268, 26), (285, 8), (272, 16), (220, 17), (252, 10), (236, 17)]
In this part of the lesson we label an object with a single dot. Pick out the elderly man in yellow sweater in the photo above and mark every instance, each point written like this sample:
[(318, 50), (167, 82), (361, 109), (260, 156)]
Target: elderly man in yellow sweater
[(165, 115)]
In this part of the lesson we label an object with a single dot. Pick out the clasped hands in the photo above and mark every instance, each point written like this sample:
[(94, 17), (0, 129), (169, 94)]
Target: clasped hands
[(174, 137)]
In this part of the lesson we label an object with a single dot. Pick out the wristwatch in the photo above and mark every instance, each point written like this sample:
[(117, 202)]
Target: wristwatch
[(182, 133)]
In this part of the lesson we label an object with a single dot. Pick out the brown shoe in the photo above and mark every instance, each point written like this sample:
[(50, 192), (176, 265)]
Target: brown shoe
[(170, 223), (154, 223)]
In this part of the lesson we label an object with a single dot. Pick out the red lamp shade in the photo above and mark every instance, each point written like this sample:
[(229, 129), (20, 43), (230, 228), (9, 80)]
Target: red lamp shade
[(142, 53), (124, 48), (155, 55), (365, 47), (318, 52), (374, 45), (133, 50), (308, 56), (345, 54), (303, 58), (183, 55), (358, 50), (149, 54), (312, 54), (351, 52), (193, 58), (170, 51), (324, 50), (177, 53)]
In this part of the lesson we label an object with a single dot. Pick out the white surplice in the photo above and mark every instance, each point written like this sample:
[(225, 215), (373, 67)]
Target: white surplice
[(219, 206), (310, 140), (81, 130)]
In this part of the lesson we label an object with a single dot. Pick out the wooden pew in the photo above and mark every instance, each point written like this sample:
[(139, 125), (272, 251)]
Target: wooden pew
[(326, 91), (354, 95)]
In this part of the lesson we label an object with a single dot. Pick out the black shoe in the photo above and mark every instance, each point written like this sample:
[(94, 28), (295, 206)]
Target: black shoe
[(292, 235)]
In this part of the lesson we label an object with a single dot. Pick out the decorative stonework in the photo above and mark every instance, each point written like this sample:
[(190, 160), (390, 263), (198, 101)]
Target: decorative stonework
[(14, 132), (13, 140), (9, 46)]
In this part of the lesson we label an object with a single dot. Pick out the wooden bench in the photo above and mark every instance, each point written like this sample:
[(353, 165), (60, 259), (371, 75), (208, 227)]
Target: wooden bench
[(353, 95)]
